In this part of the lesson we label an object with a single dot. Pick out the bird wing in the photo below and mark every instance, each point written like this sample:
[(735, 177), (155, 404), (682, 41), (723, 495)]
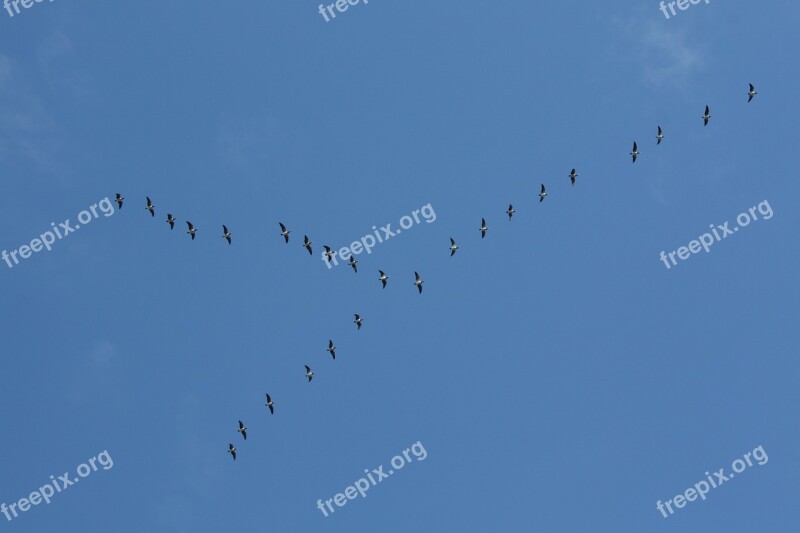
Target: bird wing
[(283, 228)]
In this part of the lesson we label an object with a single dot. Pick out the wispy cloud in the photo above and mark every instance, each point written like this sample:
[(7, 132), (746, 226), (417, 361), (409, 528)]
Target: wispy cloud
[(669, 56)]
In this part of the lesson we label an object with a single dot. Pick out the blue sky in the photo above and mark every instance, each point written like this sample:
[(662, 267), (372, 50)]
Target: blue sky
[(559, 377)]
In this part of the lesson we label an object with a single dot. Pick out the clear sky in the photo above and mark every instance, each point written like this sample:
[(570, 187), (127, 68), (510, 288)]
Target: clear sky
[(558, 376)]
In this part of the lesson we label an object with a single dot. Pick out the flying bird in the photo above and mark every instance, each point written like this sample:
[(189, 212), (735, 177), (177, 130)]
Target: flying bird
[(226, 234), (572, 176), (120, 199), (232, 450), (192, 229), (329, 253), (510, 211), (635, 152), (453, 247), (309, 373), (418, 282), (332, 349), (284, 232), (660, 136), (542, 194), (354, 264), (150, 207), (307, 244), (383, 278), (358, 321), (270, 404), (483, 228), (171, 221), (751, 93), (242, 429), (706, 116)]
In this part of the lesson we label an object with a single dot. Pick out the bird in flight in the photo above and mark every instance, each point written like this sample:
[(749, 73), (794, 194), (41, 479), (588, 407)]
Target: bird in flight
[(706, 116), (453, 247), (307, 244), (242, 429), (309, 373), (660, 136), (170, 221), (332, 349), (329, 253), (418, 282), (572, 176), (510, 211), (358, 320), (226, 234), (120, 199), (150, 207), (542, 194), (751, 93), (635, 152), (284, 232), (354, 264), (483, 228), (192, 229), (270, 404), (232, 450), (383, 278)]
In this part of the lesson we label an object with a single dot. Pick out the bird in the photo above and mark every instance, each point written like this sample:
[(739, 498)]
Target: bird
[(192, 229), (270, 404), (354, 264), (706, 116), (171, 221), (332, 349), (510, 211), (483, 228), (383, 278), (358, 321), (542, 194), (309, 373), (453, 247), (328, 253), (660, 136), (226, 234), (150, 207), (242, 429), (284, 232), (307, 244), (120, 199), (232, 450), (572, 176), (418, 282), (751, 93), (635, 152)]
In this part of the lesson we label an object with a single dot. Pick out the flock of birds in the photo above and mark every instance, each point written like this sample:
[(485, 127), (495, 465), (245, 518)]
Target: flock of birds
[(383, 278)]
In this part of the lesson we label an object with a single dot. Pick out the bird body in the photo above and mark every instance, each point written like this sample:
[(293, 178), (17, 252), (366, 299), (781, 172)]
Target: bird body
[(270, 405), (284, 232), (226, 234), (635, 151), (243, 430), (660, 136), (171, 221), (332, 348), (483, 228), (358, 320), (418, 282), (453, 247), (150, 207), (309, 373), (706, 116), (510, 211), (383, 278), (192, 229), (120, 199), (542, 194)]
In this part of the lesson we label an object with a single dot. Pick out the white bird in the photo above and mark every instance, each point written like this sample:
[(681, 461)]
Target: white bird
[(192, 229), (706, 116), (510, 211), (332, 349), (232, 450), (453, 247), (309, 373), (226, 234), (751, 93), (418, 282), (358, 320), (284, 232), (542, 194), (150, 207), (635, 152), (660, 136), (243, 430), (383, 278), (270, 404), (483, 228)]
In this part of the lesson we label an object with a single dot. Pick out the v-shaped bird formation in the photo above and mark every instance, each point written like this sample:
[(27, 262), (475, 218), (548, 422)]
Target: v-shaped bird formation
[(383, 278)]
